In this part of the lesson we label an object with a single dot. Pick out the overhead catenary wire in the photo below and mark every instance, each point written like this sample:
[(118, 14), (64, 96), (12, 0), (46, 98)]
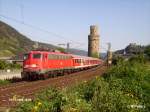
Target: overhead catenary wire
[(43, 30), (35, 27), (38, 28), (29, 25)]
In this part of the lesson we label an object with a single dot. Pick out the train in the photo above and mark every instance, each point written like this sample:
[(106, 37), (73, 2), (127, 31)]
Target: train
[(44, 64)]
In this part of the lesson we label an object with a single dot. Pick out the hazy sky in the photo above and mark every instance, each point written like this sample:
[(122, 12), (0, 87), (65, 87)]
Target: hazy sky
[(120, 21)]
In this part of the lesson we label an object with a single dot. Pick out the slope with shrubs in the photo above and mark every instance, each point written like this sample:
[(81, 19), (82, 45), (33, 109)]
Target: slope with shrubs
[(125, 87), (6, 65)]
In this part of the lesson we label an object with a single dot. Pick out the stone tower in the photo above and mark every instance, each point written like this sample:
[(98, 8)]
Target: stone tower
[(93, 42)]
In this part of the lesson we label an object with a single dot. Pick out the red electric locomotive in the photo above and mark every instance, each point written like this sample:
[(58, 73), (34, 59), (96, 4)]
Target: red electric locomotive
[(44, 64)]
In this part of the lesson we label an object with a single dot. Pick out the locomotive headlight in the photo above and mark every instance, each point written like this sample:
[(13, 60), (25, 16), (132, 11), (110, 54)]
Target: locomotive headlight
[(33, 65), (26, 66)]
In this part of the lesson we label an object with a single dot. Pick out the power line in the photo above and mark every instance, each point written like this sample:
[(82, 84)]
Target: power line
[(37, 28), (22, 10), (29, 25), (43, 30)]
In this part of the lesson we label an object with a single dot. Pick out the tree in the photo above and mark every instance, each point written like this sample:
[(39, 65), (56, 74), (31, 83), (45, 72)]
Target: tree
[(61, 49), (95, 55), (147, 51), (3, 65)]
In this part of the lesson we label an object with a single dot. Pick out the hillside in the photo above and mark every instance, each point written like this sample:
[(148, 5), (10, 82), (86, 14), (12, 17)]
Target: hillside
[(13, 43)]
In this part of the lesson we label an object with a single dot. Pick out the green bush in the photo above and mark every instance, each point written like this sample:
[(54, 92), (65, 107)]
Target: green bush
[(3, 65), (147, 51), (61, 49), (131, 79), (125, 84), (75, 103), (138, 59), (6, 65), (25, 107), (111, 97), (117, 59), (50, 100), (95, 55), (85, 90)]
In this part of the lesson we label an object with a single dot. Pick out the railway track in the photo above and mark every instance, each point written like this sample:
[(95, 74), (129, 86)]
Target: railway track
[(27, 90)]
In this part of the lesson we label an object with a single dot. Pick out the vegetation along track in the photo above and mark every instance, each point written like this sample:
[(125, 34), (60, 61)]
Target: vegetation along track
[(10, 94)]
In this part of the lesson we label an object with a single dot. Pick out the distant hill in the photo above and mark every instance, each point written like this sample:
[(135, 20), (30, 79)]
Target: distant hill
[(13, 43), (132, 49), (78, 52)]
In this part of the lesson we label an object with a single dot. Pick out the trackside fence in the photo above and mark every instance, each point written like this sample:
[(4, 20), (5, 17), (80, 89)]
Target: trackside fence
[(10, 73)]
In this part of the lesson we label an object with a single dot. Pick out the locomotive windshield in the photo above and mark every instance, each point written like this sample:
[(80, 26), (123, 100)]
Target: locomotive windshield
[(26, 56), (37, 55)]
